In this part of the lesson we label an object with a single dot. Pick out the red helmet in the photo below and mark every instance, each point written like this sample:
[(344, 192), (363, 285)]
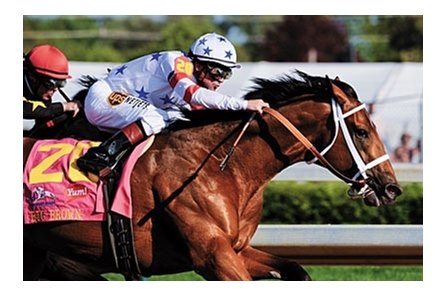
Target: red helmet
[(49, 61)]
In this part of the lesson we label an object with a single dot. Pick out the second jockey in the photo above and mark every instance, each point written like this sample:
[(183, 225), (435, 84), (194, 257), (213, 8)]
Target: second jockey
[(45, 71)]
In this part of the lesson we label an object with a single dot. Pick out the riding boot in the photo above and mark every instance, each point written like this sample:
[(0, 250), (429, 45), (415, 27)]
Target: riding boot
[(102, 159)]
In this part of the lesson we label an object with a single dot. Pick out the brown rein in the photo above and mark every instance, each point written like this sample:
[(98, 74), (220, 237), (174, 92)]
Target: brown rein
[(278, 116)]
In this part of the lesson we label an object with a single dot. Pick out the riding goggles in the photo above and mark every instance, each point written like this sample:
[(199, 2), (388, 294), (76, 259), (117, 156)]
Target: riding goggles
[(51, 83), (219, 72)]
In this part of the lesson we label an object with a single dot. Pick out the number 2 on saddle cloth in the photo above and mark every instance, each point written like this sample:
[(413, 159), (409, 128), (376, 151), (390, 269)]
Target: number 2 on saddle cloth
[(54, 189)]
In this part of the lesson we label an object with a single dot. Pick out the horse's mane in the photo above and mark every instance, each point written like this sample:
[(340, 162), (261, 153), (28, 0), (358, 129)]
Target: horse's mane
[(288, 87)]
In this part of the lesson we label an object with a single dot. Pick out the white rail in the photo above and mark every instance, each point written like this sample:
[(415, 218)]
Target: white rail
[(343, 244), (303, 172)]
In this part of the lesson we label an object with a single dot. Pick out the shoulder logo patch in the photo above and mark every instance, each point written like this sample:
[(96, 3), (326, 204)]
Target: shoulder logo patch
[(116, 98)]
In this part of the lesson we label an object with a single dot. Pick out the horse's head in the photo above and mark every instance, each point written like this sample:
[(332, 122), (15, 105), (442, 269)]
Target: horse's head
[(337, 127), (359, 152)]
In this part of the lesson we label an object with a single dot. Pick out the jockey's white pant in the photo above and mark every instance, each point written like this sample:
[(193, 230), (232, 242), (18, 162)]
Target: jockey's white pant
[(102, 113)]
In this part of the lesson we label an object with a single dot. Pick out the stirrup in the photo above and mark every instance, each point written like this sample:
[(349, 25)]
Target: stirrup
[(108, 169), (101, 172), (105, 172)]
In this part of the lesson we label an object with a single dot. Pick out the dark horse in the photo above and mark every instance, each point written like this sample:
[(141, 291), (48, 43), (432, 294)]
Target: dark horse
[(188, 214)]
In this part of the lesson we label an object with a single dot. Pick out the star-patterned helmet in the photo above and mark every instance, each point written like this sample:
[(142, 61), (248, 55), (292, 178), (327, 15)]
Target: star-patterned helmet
[(212, 47)]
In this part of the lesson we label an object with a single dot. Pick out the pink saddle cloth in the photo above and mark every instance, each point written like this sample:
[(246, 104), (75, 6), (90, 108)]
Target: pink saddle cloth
[(54, 189)]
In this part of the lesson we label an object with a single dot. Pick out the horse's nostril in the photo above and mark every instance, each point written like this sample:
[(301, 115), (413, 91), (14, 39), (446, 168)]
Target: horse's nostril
[(393, 190)]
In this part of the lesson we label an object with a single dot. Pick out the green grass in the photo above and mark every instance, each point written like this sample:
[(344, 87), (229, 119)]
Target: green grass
[(323, 273), (365, 273)]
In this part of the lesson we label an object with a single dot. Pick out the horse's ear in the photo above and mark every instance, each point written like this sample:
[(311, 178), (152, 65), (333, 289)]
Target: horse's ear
[(328, 86), (337, 78), (337, 92)]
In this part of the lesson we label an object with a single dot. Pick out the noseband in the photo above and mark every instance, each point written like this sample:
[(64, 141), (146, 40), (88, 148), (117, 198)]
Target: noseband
[(339, 120)]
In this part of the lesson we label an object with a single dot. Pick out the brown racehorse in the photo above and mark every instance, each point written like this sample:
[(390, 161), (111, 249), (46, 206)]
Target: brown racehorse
[(188, 214)]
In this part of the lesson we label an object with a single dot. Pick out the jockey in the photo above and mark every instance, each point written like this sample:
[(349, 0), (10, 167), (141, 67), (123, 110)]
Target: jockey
[(45, 70), (145, 95)]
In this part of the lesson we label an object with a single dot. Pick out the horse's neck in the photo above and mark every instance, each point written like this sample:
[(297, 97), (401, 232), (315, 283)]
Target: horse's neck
[(268, 147), (260, 158), (257, 162)]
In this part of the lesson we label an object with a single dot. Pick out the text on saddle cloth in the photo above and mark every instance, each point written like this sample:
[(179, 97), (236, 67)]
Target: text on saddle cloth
[(55, 190)]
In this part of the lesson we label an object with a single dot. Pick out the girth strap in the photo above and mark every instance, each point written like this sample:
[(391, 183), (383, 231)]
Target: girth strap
[(121, 228), (120, 232)]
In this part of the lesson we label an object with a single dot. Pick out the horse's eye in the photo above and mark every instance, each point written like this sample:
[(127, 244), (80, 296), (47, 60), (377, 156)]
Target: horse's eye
[(361, 133)]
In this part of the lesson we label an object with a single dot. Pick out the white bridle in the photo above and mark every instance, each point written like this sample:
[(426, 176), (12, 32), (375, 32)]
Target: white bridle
[(339, 121)]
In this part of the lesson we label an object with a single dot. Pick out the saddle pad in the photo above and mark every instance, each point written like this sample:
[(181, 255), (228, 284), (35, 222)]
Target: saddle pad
[(122, 203), (55, 190)]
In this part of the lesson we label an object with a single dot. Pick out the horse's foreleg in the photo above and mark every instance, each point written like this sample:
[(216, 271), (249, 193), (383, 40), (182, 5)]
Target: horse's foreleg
[(262, 265), (218, 261)]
